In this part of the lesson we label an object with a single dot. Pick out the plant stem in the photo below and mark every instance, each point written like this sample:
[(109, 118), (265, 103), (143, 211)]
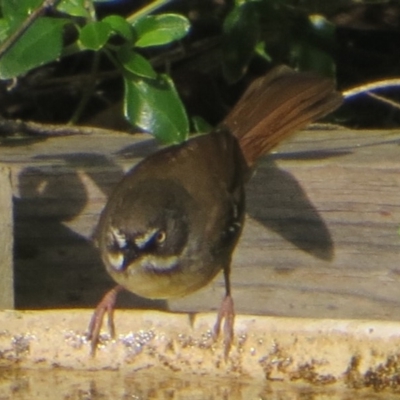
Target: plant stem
[(147, 10), (88, 92)]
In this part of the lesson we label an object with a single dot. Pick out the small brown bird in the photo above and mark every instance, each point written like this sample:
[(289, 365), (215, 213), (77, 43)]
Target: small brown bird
[(171, 224)]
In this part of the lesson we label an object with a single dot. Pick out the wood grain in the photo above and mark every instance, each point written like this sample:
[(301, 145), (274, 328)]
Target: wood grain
[(6, 241), (321, 237)]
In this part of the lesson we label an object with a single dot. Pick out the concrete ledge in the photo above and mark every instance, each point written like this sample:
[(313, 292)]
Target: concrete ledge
[(337, 353)]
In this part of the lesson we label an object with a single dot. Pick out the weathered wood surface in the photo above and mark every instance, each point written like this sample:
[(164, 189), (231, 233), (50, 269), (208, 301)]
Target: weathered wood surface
[(6, 241), (321, 237)]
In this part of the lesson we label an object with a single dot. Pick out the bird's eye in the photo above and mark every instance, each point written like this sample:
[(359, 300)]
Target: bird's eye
[(160, 237)]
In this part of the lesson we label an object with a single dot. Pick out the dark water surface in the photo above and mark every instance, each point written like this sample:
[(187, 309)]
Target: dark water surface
[(90, 385)]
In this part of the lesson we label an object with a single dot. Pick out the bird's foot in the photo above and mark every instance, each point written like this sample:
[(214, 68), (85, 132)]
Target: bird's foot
[(106, 305), (226, 312)]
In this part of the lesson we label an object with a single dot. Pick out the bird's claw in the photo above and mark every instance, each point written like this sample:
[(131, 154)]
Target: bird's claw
[(106, 305), (226, 312)]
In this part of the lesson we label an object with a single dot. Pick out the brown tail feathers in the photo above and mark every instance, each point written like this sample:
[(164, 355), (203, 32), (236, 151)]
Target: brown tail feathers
[(276, 105)]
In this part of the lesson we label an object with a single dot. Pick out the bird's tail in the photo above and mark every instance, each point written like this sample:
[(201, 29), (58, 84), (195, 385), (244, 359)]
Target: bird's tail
[(275, 106)]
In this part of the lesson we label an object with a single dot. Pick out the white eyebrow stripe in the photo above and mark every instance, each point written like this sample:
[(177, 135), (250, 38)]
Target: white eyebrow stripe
[(142, 240), (119, 237)]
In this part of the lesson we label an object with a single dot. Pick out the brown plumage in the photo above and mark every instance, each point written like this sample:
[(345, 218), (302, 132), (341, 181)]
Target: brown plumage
[(277, 105), (173, 221)]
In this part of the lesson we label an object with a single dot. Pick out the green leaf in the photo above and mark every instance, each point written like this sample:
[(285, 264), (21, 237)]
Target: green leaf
[(307, 48), (4, 28), (75, 8), (40, 44), (260, 50), (95, 35), (136, 63), (305, 57), (241, 33), (15, 10), (201, 125), (155, 107), (120, 26), (157, 30)]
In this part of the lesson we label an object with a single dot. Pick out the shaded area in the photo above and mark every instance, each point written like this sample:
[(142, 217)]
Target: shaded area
[(281, 205), (54, 266)]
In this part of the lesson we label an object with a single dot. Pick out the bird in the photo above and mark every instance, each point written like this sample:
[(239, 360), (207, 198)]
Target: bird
[(173, 221)]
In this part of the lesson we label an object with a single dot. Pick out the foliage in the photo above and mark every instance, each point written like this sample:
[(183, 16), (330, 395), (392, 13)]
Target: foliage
[(151, 101)]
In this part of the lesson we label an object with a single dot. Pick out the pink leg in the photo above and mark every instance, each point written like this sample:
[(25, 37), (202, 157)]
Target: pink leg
[(226, 311), (106, 304)]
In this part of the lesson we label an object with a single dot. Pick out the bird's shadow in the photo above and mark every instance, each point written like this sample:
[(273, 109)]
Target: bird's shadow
[(57, 267), (277, 201), (54, 266)]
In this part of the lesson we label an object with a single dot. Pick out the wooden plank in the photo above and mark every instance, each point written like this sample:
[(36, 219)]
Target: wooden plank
[(6, 241), (321, 237), (336, 194)]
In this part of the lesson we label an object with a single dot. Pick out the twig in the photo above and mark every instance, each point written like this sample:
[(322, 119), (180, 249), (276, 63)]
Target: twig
[(12, 127), (10, 42), (88, 91), (147, 10), (385, 100), (386, 83)]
